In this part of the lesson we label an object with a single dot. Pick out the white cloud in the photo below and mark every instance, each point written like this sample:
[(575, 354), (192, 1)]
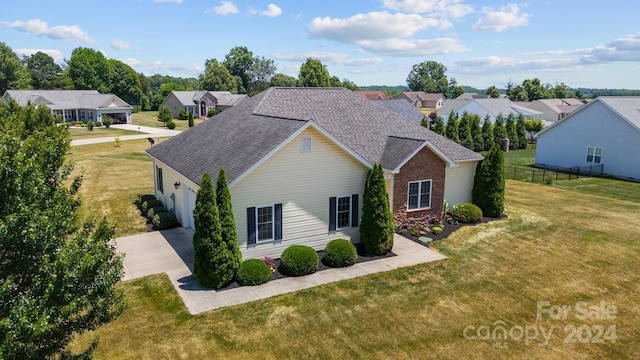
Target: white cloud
[(122, 45), (339, 59), (225, 8), (444, 8), (371, 26), (272, 11), (60, 32), (506, 17), (169, 1), (160, 67), (419, 47), (55, 54)]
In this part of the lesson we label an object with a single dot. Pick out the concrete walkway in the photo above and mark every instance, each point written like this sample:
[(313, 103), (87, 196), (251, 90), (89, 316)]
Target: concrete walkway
[(171, 252), (146, 132)]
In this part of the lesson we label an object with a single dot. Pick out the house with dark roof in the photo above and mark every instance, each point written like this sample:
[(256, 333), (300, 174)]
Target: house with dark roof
[(297, 161), (75, 105), (402, 108), (555, 109), (373, 95), (603, 134), (487, 107), (200, 102), (421, 99)]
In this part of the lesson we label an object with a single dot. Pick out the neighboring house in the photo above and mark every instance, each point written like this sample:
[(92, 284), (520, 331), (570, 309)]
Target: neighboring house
[(490, 106), (555, 109), (421, 99), (297, 161), (604, 132), (471, 96), (200, 102), (402, 108), (373, 95), (75, 105)]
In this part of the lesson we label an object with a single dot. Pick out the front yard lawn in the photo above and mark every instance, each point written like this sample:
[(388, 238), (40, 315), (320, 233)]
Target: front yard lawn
[(556, 245), (84, 133)]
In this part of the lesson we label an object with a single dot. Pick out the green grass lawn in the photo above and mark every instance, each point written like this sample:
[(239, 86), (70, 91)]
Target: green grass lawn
[(84, 133), (556, 245), (150, 118), (525, 157)]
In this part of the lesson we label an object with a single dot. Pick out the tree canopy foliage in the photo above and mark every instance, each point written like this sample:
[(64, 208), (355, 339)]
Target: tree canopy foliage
[(57, 276), (314, 74), (428, 76), (13, 75)]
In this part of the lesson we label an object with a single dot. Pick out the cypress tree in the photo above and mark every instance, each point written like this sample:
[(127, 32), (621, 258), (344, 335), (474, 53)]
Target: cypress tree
[(487, 133), (438, 126), (376, 226), (489, 184), (227, 221), (190, 119), (499, 131), (521, 131), (425, 122), (512, 134), (451, 131), (476, 132), (211, 262), (464, 131)]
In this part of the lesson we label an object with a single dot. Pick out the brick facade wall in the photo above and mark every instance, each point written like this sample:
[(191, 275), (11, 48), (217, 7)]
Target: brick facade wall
[(425, 165)]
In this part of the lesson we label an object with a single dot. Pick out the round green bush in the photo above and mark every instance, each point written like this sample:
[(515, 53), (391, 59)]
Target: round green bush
[(467, 213), (165, 220), (144, 208), (171, 125), (151, 213), (299, 260), (340, 253), (253, 272)]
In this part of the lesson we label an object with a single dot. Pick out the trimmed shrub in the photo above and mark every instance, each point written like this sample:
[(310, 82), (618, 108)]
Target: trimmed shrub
[(165, 220), (147, 197), (98, 124), (488, 183), (151, 213), (340, 253), (90, 126), (298, 260), (466, 213), (107, 121), (376, 226), (253, 272), (171, 125), (148, 205), (213, 112), (182, 115), (191, 120)]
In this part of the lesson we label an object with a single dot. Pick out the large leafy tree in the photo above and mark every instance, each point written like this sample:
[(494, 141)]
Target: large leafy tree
[(239, 62), (57, 277), (227, 222), (217, 77), (260, 74), (211, 255), (89, 70), (314, 74), (283, 80), (45, 73), (13, 75), (125, 82), (428, 76), (376, 227), (533, 126), (492, 91), (489, 183)]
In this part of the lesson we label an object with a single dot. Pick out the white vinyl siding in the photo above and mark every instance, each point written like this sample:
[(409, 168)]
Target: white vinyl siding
[(594, 155), (419, 195), (303, 183), (458, 183)]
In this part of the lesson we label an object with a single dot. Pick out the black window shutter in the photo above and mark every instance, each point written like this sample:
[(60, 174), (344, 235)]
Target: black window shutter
[(277, 217), (251, 225), (354, 210), (332, 213)]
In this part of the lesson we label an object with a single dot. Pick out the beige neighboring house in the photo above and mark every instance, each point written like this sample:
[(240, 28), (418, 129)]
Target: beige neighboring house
[(555, 109), (373, 95), (297, 160), (200, 102), (488, 107), (75, 105), (421, 99)]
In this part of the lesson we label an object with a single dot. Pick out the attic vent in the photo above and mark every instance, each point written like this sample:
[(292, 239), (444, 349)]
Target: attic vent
[(306, 144)]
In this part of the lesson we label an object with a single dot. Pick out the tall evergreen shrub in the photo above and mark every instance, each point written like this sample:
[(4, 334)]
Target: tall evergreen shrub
[(488, 183), (376, 227), (227, 221), (487, 133), (499, 131)]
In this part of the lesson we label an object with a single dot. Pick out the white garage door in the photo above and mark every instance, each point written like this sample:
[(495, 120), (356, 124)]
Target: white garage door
[(190, 206)]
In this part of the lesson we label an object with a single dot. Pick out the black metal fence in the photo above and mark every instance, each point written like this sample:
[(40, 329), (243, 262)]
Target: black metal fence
[(547, 174)]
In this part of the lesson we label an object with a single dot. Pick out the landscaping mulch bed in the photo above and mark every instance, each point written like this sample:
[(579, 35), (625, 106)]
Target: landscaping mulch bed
[(449, 228), (321, 266)]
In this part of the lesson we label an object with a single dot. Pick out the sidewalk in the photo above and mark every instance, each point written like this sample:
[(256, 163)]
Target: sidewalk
[(171, 252), (146, 132)]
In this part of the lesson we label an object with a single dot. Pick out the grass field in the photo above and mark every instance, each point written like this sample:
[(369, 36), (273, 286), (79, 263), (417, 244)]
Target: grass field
[(150, 118), (525, 157), (83, 133), (556, 245)]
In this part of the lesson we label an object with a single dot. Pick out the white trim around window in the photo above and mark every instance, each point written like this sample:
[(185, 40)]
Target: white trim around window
[(343, 211), (265, 224), (594, 155), (306, 145), (419, 195)]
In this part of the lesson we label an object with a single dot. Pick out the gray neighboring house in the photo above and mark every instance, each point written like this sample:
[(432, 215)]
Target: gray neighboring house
[(200, 102), (489, 106), (555, 109), (403, 108), (297, 160), (603, 133), (75, 105)]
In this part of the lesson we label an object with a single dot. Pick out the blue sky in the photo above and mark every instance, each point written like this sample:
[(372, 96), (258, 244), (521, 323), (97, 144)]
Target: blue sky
[(584, 43)]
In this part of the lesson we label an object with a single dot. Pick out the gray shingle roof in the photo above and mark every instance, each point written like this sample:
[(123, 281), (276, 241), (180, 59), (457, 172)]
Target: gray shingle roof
[(401, 107), (66, 99), (239, 137)]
